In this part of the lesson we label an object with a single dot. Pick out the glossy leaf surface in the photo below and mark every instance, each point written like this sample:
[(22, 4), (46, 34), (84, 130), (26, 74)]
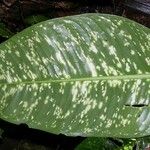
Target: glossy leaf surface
[(86, 75)]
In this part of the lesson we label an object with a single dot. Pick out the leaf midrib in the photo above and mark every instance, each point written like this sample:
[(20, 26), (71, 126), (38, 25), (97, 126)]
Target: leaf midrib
[(121, 77)]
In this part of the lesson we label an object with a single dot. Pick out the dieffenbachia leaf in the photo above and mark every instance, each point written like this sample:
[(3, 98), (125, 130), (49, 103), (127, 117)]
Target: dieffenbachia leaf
[(86, 75)]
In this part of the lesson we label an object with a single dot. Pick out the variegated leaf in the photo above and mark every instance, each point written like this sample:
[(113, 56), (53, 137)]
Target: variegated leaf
[(86, 75)]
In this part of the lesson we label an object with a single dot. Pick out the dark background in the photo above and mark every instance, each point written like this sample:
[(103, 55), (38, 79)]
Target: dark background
[(14, 12)]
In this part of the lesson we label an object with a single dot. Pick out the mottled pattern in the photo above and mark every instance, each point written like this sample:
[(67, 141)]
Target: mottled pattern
[(80, 75)]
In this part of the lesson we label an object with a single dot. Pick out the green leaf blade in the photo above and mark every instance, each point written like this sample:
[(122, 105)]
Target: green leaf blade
[(78, 75)]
